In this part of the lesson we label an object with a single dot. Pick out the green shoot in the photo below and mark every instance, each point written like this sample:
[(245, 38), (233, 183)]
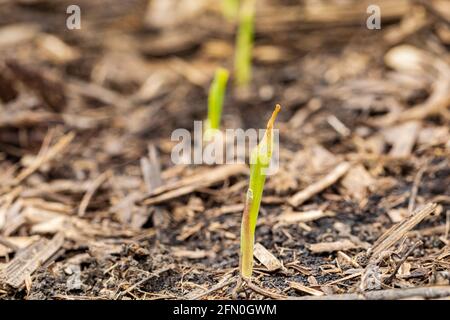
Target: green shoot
[(259, 163), (215, 102), (244, 43), (230, 9)]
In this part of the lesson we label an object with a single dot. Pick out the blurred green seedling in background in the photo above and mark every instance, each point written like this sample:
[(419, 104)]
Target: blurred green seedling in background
[(244, 44), (215, 103), (230, 9)]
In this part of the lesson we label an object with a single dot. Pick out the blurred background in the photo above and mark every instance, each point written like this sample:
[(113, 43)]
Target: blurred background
[(153, 61)]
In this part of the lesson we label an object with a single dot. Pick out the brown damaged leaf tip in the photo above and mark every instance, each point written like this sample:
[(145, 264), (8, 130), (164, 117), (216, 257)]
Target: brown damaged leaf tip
[(273, 117)]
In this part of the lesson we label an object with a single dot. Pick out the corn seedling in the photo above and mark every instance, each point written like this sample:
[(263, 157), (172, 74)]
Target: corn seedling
[(244, 43), (230, 9), (215, 102), (259, 162)]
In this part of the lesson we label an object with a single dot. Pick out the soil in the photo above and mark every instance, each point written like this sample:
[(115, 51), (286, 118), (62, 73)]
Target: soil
[(111, 94)]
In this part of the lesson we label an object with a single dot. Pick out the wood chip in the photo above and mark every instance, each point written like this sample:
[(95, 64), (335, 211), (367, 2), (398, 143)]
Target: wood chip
[(188, 231), (331, 178), (15, 34), (357, 181), (151, 169), (266, 258), (397, 215), (341, 245), (11, 244), (299, 287), (290, 217), (196, 182), (30, 259), (345, 260), (192, 72), (192, 254), (45, 157), (169, 13), (91, 191), (338, 126), (56, 49), (402, 137), (49, 87)]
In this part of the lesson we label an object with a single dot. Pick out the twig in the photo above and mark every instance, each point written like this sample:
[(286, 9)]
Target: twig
[(415, 188), (9, 244), (403, 259), (191, 184), (300, 197), (311, 291), (91, 191), (52, 152), (351, 276), (222, 284), (388, 294), (151, 275), (337, 125), (265, 292), (237, 288)]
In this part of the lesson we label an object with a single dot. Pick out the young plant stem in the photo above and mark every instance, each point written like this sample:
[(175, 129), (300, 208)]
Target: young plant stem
[(259, 163), (230, 9), (244, 43), (215, 102)]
